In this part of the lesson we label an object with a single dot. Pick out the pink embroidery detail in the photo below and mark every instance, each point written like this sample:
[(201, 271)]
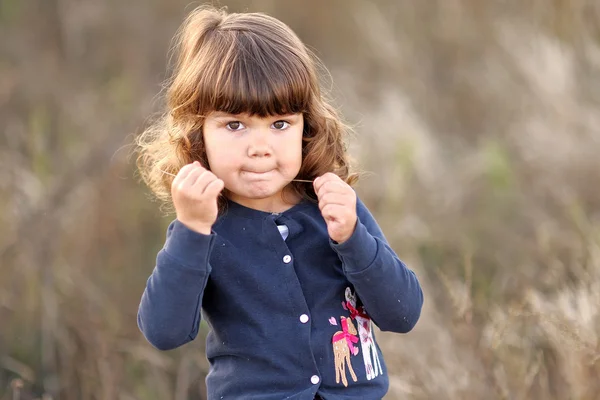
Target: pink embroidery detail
[(332, 321), (365, 333), (356, 312), (350, 338), (342, 348)]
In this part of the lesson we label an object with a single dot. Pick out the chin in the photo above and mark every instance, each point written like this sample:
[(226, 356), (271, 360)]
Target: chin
[(260, 193), (259, 190)]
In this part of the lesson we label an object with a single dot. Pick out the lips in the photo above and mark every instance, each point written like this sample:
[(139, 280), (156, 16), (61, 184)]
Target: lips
[(256, 174), (258, 169)]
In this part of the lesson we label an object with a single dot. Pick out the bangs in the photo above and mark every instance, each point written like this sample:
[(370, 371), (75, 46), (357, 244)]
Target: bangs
[(254, 75)]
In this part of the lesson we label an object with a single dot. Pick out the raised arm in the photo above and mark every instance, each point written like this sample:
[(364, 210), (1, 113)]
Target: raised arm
[(169, 312), (390, 292)]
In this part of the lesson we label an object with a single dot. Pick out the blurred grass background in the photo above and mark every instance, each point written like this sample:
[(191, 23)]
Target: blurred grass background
[(479, 122)]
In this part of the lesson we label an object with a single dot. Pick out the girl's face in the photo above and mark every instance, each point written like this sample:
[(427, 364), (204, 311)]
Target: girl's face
[(255, 157)]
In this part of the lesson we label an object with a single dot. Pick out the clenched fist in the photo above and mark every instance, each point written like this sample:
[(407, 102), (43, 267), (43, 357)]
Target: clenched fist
[(337, 202), (195, 191)]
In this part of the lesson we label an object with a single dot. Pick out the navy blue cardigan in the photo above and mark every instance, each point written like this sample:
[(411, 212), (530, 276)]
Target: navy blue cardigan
[(289, 318)]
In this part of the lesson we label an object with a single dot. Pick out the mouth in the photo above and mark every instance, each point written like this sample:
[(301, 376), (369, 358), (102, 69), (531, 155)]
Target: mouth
[(257, 174)]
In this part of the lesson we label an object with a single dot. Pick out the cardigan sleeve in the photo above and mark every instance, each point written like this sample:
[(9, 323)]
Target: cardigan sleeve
[(170, 308), (388, 289)]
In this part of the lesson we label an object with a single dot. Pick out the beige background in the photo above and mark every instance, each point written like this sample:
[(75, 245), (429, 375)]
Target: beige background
[(479, 125)]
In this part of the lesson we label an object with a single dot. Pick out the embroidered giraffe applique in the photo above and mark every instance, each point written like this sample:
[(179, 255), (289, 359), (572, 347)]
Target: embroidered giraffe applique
[(363, 321), (343, 345)]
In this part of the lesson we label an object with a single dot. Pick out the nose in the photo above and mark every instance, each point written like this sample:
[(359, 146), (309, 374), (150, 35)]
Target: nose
[(259, 144)]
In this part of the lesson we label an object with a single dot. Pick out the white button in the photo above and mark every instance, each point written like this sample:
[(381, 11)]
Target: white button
[(314, 379), (287, 258), (304, 318)]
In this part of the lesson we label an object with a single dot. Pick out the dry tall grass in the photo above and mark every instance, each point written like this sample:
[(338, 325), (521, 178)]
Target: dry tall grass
[(480, 125)]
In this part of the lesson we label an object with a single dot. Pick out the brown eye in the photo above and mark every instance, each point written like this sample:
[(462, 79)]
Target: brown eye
[(280, 125), (234, 125)]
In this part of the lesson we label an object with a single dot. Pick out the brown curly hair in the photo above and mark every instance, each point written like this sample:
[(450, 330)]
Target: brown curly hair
[(240, 63)]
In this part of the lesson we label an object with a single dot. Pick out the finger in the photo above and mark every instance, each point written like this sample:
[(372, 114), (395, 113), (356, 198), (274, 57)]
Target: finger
[(333, 212), (203, 181), (321, 180), (334, 198), (214, 188), (183, 173), (191, 178), (333, 186)]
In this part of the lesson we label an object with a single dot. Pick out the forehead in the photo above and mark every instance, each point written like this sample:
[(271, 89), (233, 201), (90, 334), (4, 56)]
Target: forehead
[(245, 115)]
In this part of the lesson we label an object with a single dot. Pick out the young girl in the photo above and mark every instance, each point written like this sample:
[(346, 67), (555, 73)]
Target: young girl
[(270, 240)]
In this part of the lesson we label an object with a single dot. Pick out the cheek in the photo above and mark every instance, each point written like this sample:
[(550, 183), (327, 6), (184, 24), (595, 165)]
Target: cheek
[(221, 156), (222, 162), (297, 159), (293, 151)]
